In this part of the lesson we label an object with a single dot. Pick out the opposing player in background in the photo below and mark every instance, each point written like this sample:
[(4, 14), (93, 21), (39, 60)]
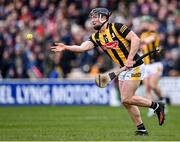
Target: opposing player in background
[(121, 45), (153, 66)]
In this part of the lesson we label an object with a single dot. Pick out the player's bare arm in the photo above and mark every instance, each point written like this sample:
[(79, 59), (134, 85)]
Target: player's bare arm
[(134, 47), (149, 39), (59, 47)]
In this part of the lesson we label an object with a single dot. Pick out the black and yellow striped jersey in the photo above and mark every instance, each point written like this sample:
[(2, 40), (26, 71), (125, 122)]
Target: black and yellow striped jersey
[(112, 41), (155, 57)]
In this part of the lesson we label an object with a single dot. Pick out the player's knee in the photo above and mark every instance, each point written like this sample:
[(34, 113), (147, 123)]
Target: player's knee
[(153, 86), (148, 88), (125, 101)]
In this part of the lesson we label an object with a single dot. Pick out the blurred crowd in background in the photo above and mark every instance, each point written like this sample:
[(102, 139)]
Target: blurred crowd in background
[(67, 21)]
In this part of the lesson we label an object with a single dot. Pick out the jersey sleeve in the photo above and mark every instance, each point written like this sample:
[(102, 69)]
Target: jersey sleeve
[(122, 29), (93, 40)]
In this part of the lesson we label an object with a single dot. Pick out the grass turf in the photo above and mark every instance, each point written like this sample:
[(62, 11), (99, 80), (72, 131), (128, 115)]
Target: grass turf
[(82, 123)]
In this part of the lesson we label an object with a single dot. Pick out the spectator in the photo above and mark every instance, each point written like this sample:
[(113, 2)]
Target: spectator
[(67, 21)]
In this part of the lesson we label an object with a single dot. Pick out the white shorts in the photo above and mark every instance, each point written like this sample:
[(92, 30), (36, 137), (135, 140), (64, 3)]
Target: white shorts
[(136, 73), (153, 68)]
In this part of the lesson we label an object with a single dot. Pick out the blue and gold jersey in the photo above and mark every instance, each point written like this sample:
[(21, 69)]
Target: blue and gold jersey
[(112, 41)]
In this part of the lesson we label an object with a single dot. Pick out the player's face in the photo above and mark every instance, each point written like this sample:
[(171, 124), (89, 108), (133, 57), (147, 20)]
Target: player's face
[(153, 26), (95, 21), (144, 25)]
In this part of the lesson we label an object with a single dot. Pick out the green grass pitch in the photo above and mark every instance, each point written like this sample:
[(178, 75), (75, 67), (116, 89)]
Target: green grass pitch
[(82, 123)]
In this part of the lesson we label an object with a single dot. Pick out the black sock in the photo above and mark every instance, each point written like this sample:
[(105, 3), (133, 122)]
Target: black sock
[(141, 127), (153, 105), (161, 98)]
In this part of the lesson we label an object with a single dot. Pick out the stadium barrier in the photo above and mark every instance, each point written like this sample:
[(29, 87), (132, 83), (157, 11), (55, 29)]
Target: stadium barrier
[(55, 92), (170, 87), (74, 92)]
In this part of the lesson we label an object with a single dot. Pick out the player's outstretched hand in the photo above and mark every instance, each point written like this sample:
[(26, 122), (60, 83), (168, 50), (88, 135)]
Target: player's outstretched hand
[(58, 47)]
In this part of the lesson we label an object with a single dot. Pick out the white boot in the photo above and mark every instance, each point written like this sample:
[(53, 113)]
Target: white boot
[(166, 109), (150, 112)]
